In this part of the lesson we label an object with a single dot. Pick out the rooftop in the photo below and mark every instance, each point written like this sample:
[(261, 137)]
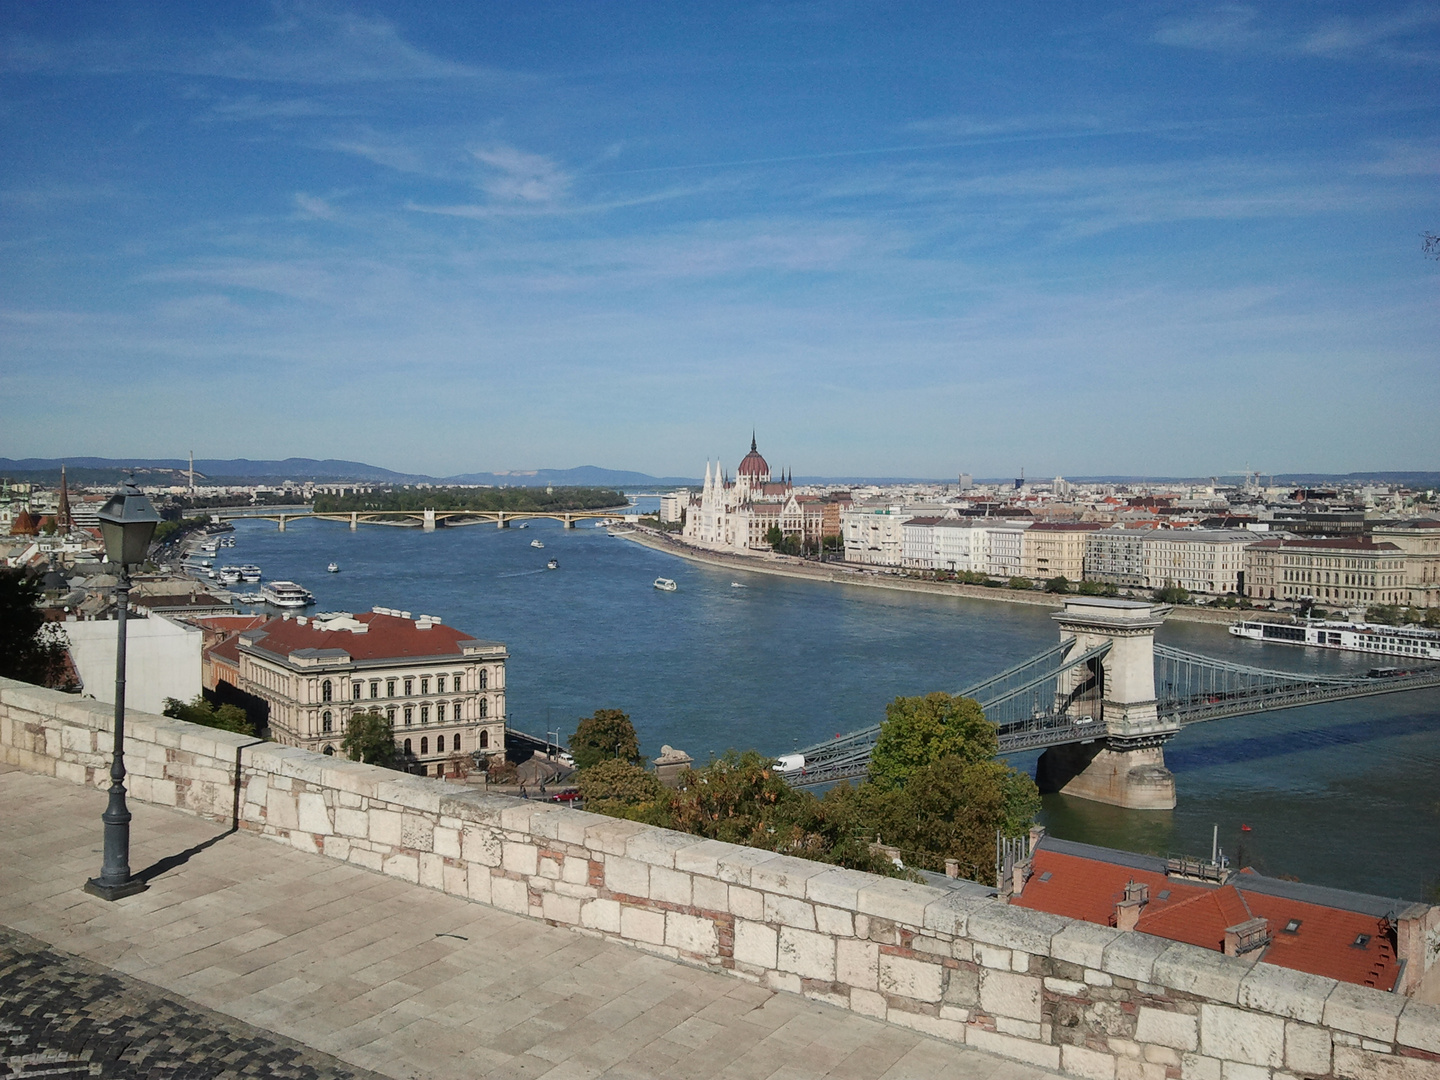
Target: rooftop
[(368, 636)]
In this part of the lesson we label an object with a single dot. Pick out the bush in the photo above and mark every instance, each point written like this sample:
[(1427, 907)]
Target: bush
[(1058, 584), (1018, 582), (200, 711), (608, 733), (1171, 593)]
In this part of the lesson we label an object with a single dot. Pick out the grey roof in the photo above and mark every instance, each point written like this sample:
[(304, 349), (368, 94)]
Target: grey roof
[(1154, 863), (963, 886)]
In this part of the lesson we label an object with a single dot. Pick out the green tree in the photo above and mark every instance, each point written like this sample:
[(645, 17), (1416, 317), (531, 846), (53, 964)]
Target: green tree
[(1171, 593), (1018, 582), (621, 789), (606, 734), (200, 711), (370, 737), (1058, 584), (774, 537), (1097, 588), (30, 650), (919, 731)]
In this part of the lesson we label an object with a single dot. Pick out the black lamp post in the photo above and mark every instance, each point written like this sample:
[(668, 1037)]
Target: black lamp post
[(127, 523)]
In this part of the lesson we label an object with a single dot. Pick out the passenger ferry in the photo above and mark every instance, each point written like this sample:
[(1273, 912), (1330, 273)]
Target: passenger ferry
[(286, 594), (536, 544), (1407, 641), (664, 584)]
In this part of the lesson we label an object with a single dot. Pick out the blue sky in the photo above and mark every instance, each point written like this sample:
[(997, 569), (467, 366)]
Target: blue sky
[(895, 239)]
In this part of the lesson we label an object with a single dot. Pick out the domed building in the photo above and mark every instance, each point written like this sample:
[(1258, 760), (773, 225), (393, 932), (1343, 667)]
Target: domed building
[(738, 514)]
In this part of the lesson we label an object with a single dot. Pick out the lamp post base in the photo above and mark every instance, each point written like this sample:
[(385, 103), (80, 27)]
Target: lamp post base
[(96, 887)]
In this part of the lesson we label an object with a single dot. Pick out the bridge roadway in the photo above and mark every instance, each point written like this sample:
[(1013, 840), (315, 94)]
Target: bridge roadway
[(379, 973), (428, 519)]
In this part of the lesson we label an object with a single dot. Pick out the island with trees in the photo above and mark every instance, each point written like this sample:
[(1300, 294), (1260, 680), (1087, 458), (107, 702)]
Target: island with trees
[(481, 500)]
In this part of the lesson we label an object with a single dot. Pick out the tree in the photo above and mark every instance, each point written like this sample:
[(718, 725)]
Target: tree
[(606, 734), (200, 711), (620, 789), (919, 731), (370, 737), (1171, 593), (774, 537), (30, 650), (1018, 582), (1058, 584), (1097, 588)]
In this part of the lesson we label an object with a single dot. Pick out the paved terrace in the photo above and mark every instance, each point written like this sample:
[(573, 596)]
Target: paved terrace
[(318, 968)]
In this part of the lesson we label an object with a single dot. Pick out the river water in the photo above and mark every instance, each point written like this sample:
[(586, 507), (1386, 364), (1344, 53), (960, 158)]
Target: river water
[(1344, 794)]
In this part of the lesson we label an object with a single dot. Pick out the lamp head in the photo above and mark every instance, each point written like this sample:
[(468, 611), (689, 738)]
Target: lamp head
[(127, 522)]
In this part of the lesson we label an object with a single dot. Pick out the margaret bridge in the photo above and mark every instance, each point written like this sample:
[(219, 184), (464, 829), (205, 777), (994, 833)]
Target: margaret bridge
[(429, 520), (1104, 700)]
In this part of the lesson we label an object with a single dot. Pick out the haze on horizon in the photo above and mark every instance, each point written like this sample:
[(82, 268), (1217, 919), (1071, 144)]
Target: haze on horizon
[(1105, 239)]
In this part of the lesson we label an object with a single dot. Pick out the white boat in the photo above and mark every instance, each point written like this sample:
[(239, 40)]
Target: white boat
[(250, 573), (1410, 642), (553, 564), (522, 525), (536, 544), (664, 584), (286, 594), (333, 568), (229, 575), (736, 585)]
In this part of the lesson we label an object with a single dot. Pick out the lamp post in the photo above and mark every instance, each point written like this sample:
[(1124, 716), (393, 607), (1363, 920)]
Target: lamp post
[(127, 523)]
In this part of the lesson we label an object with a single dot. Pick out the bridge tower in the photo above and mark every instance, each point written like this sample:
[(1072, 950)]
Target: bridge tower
[(1125, 767)]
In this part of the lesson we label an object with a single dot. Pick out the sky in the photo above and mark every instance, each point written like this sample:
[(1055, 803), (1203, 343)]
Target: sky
[(890, 238)]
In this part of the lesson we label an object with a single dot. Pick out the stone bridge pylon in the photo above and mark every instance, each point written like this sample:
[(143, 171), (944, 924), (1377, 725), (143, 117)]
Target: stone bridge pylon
[(1125, 764)]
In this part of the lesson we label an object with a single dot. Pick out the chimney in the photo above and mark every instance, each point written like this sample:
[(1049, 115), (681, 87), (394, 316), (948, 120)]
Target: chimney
[(1243, 937), (1127, 911), (952, 868)]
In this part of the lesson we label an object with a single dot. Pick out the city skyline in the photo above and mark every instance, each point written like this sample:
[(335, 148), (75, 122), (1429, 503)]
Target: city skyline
[(1178, 242)]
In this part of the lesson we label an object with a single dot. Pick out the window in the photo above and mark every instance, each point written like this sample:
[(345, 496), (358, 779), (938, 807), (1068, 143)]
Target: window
[(424, 746), (484, 711), (389, 687), (1361, 940), (424, 714), (326, 690), (440, 712), (409, 687), (1292, 926), (439, 684), (374, 688), (407, 747), (1045, 876), (329, 750), (458, 713), (409, 715), (355, 691), (326, 723), (458, 682), (390, 715), (425, 685), (440, 744), (1163, 894), (484, 740), (483, 680)]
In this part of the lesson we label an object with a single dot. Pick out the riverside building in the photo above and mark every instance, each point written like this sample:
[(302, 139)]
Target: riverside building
[(1348, 570), (443, 690)]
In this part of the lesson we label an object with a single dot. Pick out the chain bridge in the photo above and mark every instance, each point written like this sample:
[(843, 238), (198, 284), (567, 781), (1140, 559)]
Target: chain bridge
[(1104, 700)]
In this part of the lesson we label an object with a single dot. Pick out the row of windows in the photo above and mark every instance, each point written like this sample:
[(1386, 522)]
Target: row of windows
[(408, 745), (327, 688), (408, 715)]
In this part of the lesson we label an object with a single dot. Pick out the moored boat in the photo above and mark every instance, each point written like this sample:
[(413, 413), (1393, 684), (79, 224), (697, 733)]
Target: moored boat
[(1374, 638), (286, 594)]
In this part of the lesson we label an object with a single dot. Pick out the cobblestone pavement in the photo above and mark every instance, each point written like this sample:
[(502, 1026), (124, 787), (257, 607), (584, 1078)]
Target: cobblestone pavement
[(63, 1017), (402, 980)]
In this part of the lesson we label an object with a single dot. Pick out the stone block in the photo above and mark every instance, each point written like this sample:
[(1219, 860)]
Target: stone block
[(691, 934), (610, 836), (838, 888), (935, 1026), (1179, 1031), (402, 866), (313, 814), (709, 894), (1236, 1035), (657, 847), (280, 810), (385, 827), (902, 976), (417, 832), (638, 924), (1006, 993), (950, 914), (561, 909), (626, 876), (480, 845), (1368, 1013), (1065, 987), (670, 886), (1352, 1063), (602, 915), (746, 903), (898, 901), (735, 865), (787, 911), (833, 921), (1083, 1062), (1419, 1026), (1132, 956), (452, 879), (510, 894), (857, 963), (993, 956), (1202, 972), (1285, 992), (1082, 943), (809, 955), (785, 875), (868, 1003), (432, 870), (786, 981), (520, 858), (1014, 928), (446, 842), (994, 1042), (1026, 1029), (755, 943), (306, 842), (352, 823), (702, 857), (1138, 1069), (1235, 1070), (1307, 1049), (1199, 1067)]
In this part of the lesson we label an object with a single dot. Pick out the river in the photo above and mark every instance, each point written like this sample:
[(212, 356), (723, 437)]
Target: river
[(1344, 794)]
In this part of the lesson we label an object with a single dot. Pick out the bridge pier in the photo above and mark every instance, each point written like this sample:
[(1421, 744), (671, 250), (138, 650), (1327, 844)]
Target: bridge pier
[(569, 522), (354, 522), (282, 522), (1136, 779), (429, 523), (500, 522)]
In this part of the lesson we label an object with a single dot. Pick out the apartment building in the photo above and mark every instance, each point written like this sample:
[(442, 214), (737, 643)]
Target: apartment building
[(1203, 561), (1116, 556), (1007, 546), (875, 535), (1346, 571), (1051, 549)]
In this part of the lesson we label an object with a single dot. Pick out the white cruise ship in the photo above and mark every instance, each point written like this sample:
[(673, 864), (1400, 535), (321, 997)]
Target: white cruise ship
[(1373, 638), (286, 594)]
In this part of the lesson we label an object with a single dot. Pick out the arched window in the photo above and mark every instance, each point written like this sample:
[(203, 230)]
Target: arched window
[(326, 690), (407, 746), (484, 740), (440, 744), (329, 751), (484, 709), (326, 724), (484, 681), (424, 746)]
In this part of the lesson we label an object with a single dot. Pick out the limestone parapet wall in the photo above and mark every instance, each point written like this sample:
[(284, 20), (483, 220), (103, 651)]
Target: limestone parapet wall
[(1087, 1000)]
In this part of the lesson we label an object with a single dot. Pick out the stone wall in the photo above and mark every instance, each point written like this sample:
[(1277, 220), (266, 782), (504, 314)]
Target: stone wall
[(1087, 1000)]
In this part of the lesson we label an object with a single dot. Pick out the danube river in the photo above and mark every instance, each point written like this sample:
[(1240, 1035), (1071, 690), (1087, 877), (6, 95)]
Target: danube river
[(1345, 794)]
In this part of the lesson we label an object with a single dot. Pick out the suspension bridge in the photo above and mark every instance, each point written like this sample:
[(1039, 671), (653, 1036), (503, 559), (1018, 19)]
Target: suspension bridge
[(1104, 700)]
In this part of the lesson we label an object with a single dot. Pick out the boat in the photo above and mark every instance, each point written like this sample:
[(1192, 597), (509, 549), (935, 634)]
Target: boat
[(250, 572), (1412, 642), (664, 584), (536, 544), (286, 594), (229, 575), (553, 564), (522, 525), (737, 585), (333, 568)]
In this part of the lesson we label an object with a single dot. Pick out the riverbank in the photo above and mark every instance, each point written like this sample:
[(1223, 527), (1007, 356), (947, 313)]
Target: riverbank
[(841, 574)]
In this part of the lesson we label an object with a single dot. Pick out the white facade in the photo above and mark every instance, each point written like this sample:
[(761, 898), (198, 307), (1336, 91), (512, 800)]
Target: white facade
[(162, 660), (874, 535), (963, 546), (673, 504), (1207, 561), (1007, 547)]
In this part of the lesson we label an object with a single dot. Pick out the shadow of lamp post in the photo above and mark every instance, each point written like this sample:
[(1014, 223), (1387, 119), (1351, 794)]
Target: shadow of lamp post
[(127, 522)]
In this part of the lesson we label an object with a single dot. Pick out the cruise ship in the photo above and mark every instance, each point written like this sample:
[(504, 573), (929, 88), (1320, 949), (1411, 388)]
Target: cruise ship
[(286, 594), (1400, 641)]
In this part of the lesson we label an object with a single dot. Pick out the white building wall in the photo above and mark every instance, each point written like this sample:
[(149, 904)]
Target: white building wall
[(162, 659)]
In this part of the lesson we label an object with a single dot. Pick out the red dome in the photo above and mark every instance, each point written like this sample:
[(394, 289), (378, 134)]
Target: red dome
[(753, 464)]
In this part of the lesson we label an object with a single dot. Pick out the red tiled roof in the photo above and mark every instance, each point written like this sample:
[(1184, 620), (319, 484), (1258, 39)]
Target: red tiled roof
[(389, 638), (227, 652)]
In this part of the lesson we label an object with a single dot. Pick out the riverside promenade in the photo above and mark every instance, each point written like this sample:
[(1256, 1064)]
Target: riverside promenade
[(247, 957)]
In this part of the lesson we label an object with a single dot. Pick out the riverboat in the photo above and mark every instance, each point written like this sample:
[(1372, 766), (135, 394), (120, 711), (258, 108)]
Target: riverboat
[(250, 573), (1362, 637), (229, 575), (553, 564), (664, 584), (536, 544), (287, 594), (333, 568)]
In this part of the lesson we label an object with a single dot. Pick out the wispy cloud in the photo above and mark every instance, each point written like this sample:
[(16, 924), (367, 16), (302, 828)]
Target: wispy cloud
[(1229, 27), (1241, 28), (515, 175), (312, 206)]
